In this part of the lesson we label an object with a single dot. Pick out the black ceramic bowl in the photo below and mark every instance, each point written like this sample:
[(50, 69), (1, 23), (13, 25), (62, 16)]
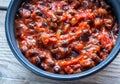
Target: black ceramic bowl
[(9, 24)]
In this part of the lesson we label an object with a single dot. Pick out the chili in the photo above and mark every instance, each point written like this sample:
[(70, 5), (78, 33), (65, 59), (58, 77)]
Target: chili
[(65, 36)]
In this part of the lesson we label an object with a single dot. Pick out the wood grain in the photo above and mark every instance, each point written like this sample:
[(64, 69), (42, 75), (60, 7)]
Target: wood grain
[(4, 4), (12, 72)]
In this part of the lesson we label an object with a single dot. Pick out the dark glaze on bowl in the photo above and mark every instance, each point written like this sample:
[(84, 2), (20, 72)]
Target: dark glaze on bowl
[(11, 40)]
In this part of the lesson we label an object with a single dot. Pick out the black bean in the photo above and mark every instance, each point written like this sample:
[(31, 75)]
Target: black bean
[(65, 43), (89, 21), (42, 56), (103, 4), (49, 1), (59, 12), (61, 52), (105, 50), (65, 50), (31, 26), (70, 1), (115, 26), (58, 21), (34, 51), (40, 41), (85, 35), (54, 51), (68, 22), (45, 24), (115, 31), (38, 12), (38, 60), (96, 31), (72, 13), (75, 53), (44, 66), (57, 68), (42, 3), (27, 5), (65, 8), (92, 0), (98, 2), (77, 5), (53, 26), (23, 49)]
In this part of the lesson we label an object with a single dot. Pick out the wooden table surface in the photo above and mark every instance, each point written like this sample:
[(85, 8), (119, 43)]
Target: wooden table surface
[(12, 72)]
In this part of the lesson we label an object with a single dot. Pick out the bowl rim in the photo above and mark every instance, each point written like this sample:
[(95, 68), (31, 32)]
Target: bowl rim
[(50, 75)]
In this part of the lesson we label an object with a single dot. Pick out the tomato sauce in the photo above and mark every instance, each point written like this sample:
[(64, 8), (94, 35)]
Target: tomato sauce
[(65, 36)]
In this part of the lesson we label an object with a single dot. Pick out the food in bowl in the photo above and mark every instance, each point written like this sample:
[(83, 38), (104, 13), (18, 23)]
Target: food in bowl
[(65, 36)]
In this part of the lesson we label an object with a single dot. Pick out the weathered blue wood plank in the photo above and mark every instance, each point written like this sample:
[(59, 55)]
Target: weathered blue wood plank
[(4, 4)]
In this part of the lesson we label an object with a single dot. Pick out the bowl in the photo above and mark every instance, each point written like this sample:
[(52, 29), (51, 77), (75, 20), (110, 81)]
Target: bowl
[(9, 27)]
